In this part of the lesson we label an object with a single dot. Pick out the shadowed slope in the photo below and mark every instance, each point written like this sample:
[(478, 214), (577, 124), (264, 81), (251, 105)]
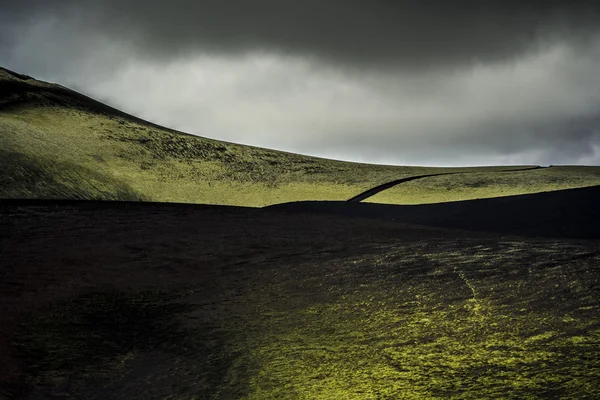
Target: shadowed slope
[(565, 213)]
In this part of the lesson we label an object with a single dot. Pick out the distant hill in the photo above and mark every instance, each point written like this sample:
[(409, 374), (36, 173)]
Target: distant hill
[(56, 143)]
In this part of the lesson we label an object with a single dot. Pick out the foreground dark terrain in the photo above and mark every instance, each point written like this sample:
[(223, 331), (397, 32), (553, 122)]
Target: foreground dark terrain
[(108, 300)]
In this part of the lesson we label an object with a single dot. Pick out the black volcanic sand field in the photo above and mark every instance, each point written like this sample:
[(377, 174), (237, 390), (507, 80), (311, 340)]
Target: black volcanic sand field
[(138, 301)]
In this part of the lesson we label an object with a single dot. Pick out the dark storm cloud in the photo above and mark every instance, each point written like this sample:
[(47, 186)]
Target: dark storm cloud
[(380, 34)]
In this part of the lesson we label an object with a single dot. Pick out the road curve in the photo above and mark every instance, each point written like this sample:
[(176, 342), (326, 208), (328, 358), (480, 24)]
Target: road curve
[(373, 191)]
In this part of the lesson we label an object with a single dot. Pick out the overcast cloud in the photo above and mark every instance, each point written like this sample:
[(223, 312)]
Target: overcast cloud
[(404, 82)]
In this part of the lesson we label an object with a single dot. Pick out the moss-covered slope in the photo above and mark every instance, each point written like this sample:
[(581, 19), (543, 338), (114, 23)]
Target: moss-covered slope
[(57, 143)]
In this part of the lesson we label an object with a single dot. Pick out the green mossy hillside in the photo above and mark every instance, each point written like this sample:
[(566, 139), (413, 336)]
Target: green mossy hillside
[(70, 146), (56, 143)]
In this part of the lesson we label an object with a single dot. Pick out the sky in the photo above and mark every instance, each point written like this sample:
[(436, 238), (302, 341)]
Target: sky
[(390, 81)]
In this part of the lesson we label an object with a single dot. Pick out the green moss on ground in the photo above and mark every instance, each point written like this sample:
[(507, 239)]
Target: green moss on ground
[(470, 318), (457, 328)]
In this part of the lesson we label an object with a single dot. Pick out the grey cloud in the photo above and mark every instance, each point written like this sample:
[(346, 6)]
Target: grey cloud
[(541, 108)]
